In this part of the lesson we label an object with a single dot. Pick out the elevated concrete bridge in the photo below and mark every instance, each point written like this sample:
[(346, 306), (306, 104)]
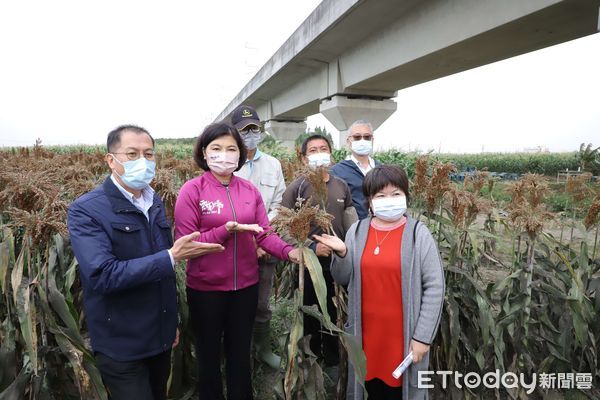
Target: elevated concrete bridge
[(349, 58)]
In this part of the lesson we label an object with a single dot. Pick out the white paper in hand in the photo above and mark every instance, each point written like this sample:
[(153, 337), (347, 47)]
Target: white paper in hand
[(403, 365)]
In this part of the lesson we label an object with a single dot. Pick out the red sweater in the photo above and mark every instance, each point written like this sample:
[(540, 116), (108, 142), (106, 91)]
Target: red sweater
[(383, 333)]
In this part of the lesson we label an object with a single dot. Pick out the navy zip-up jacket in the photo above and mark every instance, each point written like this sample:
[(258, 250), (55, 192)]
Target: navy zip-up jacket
[(349, 172), (129, 292)]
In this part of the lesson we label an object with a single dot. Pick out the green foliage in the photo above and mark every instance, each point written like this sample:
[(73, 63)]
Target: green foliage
[(40, 328), (340, 154), (498, 192), (519, 163), (318, 131), (540, 312), (558, 202), (86, 149), (589, 158), (177, 151), (560, 335), (397, 157), (273, 147), (176, 142), (304, 376)]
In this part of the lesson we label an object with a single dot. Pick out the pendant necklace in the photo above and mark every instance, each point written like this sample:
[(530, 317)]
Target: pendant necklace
[(376, 251)]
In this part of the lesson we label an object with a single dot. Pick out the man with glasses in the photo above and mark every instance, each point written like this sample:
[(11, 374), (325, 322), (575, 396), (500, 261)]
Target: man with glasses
[(355, 167), (266, 174), (124, 246)]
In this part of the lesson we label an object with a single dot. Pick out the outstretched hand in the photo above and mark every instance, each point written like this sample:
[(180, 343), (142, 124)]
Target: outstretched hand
[(233, 226), (333, 242), (186, 247)]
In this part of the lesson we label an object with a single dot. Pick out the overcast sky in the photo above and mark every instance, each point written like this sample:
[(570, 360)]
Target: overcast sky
[(70, 71)]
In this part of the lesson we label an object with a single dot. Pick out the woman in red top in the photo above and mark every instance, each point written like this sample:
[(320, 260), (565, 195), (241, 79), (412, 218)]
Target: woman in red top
[(395, 279)]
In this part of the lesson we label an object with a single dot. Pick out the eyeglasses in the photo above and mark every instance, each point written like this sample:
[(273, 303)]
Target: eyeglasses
[(356, 138), (134, 155), (246, 131)]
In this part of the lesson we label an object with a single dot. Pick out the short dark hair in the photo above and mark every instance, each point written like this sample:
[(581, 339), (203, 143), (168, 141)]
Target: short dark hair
[(314, 137), (213, 132), (381, 176), (114, 137)]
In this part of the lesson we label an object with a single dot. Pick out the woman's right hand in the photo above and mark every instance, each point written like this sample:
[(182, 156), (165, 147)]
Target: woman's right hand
[(333, 242), (233, 226)]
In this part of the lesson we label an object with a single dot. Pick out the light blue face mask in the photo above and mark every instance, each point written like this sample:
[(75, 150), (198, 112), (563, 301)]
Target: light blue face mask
[(138, 173), (389, 209), (362, 147), (316, 160)]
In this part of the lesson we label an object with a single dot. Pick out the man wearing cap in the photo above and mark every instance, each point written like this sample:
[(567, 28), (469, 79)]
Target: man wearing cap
[(266, 174), (353, 169)]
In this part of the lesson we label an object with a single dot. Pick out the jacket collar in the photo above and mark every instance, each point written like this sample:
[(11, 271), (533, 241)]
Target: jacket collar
[(256, 155), (353, 166), (355, 160), (214, 181), (118, 202)]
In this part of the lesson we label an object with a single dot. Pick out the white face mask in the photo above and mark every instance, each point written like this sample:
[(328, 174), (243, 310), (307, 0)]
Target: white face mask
[(362, 147), (319, 160), (223, 162), (389, 209)]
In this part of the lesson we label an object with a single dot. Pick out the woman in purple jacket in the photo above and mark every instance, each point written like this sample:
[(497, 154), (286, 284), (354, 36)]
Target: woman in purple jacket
[(222, 289)]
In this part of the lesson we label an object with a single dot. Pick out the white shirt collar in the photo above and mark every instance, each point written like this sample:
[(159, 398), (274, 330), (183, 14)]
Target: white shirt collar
[(142, 203), (359, 165)]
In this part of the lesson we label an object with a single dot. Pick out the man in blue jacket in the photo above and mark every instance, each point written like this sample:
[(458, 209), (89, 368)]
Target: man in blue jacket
[(355, 167), (124, 246)]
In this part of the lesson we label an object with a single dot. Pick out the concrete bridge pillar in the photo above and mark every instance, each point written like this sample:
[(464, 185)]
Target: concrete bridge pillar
[(342, 111), (286, 131)]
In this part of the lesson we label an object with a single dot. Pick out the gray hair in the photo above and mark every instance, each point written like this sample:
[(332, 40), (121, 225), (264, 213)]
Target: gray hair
[(361, 122)]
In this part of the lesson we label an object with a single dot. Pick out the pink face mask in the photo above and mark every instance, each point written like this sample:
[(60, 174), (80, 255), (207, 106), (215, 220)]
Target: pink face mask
[(223, 162)]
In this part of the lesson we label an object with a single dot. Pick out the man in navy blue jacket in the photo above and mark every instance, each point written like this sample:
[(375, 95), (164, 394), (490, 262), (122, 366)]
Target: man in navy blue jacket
[(355, 167), (123, 243)]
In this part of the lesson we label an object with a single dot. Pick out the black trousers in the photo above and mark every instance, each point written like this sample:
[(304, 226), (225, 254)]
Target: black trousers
[(324, 346), (378, 390), (217, 315), (144, 379)]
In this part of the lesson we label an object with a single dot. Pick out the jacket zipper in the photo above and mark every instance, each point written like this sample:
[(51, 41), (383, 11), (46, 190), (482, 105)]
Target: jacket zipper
[(234, 240)]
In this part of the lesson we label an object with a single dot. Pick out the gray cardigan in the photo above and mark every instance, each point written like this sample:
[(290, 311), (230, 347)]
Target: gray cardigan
[(422, 295)]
